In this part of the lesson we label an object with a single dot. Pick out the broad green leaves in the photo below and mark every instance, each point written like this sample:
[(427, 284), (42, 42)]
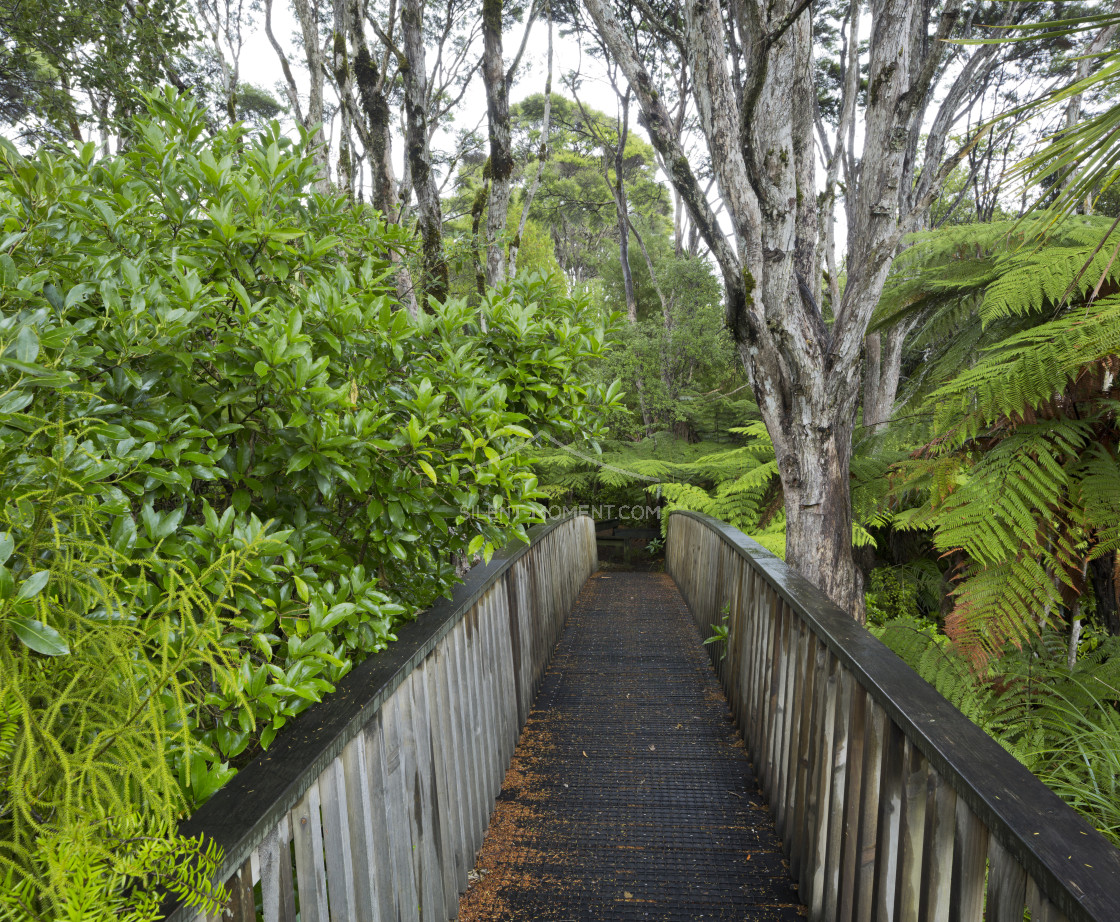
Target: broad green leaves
[(230, 466), (39, 637)]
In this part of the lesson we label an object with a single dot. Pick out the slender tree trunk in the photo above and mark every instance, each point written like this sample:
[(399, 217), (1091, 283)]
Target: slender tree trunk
[(313, 54), (429, 215), (344, 83), (666, 318), (501, 140), (478, 209), (882, 372), (542, 156), (1085, 63), (370, 84), (621, 209), (286, 68)]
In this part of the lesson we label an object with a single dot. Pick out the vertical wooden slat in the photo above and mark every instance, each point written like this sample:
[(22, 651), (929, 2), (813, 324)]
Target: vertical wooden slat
[(1007, 886), (381, 823), (360, 818), (783, 739), (440, 742), (911, 834), (1041, 909), (398, 795), (734, 638), (241, 906), (773, 678), (277, 892), (849, 856), (887, 847), (757, 641), (838, 792), (739, 643), (507, 697), (451, 748), (492, 737), (823, 769), (476, 822), (970, 857), (476, 674), (311, 871), (801, 740), (336, 842), (524, 640), (937, 852), (869, 810), (423, 810)]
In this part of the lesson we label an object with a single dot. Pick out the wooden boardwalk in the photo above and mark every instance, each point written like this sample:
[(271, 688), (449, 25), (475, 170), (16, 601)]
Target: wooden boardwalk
[(630, 795)]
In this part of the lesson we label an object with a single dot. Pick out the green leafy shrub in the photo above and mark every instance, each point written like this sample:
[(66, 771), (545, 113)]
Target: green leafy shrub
[(1061, 723), (894, 592), (236, 462)]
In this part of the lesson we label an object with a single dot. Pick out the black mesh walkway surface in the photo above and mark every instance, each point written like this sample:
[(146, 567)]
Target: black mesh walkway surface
[(630, 795)]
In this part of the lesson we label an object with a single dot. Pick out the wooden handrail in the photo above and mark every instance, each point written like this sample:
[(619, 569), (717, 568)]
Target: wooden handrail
[(890, 803), (383, 791)]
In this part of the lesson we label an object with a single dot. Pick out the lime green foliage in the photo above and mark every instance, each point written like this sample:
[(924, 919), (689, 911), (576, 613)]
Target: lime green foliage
[(229, 467), (105, 658), (1062, 724), (1016, 472), (721, 632)]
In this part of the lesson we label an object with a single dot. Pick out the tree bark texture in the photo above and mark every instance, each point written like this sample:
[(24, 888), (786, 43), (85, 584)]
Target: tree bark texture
[(882, 372), (501, 138), (542, 156), (377, 139), (759, 131), (362, 77), (429, 216), (308, 16)]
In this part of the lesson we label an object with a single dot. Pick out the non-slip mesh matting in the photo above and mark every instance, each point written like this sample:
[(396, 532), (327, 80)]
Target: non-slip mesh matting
[(630, 795)]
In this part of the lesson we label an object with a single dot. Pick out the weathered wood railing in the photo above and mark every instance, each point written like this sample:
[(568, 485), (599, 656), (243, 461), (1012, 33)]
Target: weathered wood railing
[(890, 803), (383, 792)]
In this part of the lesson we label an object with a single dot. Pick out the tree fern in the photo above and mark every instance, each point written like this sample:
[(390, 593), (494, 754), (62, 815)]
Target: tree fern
[(1015, 432)]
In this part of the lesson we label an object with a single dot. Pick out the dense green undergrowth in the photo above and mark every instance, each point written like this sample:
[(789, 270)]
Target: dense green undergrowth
[(229, 467), (1062, 723)]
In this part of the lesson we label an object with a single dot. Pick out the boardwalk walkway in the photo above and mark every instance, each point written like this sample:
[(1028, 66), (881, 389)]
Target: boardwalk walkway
[(630, 795)]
